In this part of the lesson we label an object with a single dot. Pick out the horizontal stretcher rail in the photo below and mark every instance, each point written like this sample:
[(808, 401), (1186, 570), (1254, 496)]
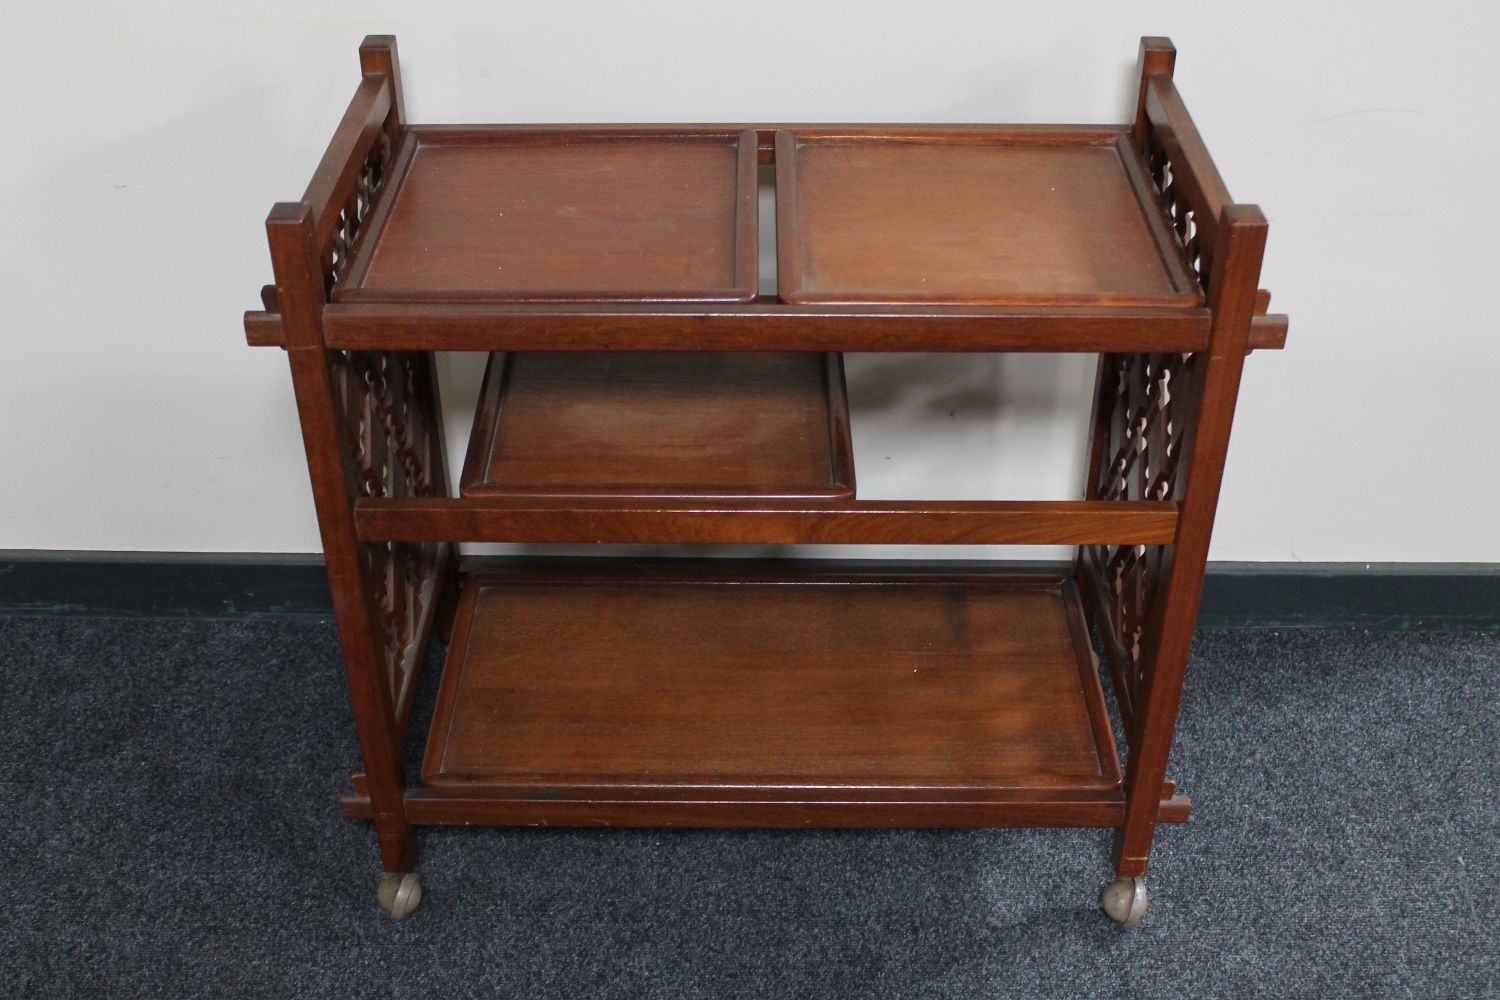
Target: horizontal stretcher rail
[(761, 327), (263, 329), (767, 522), (426, 807)]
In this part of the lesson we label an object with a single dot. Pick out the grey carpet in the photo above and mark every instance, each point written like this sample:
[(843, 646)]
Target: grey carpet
[(169, 830)]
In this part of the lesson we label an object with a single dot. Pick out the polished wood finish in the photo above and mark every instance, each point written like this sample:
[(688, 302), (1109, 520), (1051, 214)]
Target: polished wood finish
[(661, 425), (995, 219), (699, 688), (723, 694), (611, 215), (801, 328), (766, 327), (768, 521), (426, 806)]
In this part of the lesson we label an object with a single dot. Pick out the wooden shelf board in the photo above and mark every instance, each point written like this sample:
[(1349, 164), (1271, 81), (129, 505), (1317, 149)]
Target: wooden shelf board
[(935, 216), (769, 687), (603, 215), (661, 425)]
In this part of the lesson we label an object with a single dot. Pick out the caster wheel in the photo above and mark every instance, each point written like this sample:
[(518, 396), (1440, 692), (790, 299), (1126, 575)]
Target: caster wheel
[(400, 893), (1124, 900)]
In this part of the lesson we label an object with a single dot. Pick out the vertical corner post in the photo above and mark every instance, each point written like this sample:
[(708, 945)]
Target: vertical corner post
[(1158, 57), (299, 280), (377, 55), (1167, 643)]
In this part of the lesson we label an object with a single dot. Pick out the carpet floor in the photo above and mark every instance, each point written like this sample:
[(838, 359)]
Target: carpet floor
[(170, 830)]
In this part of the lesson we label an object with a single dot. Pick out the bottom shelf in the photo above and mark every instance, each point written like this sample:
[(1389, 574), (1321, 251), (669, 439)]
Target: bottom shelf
[(754, 696)]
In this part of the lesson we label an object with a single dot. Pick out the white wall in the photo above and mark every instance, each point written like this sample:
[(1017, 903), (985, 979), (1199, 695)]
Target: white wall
[(147, 144)]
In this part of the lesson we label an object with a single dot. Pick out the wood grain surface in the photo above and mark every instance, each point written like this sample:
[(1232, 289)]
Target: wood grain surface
[(928, 218), (694, 424), (854, 684), (582, 216)]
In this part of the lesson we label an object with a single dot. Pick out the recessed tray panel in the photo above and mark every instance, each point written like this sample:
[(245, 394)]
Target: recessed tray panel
[(669, 424), (513, 215), (676, 682), (1003, 217)]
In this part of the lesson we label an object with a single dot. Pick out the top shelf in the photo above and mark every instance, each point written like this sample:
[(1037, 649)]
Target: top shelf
[(1004, 216)]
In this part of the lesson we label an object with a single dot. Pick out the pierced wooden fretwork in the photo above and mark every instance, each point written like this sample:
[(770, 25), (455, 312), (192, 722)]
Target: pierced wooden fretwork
[(1145, 407), (1181, 213), (387, 399), (356, 210)]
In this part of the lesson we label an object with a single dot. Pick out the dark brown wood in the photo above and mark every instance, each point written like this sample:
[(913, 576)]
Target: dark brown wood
[(377, 55), (1194, 194), (931, 217), (607, 215), (766, 132), (768, 521), (661, 425), (756, 327), (763, 327), (1168, 638), (806, 687), (296, 257), (263, 329), (1158, 56), (337, 175), (733, 696), (1268, 333)]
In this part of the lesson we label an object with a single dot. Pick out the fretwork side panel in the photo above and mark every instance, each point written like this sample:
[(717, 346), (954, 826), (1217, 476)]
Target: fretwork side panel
[(1145, 405), (1186, 225), (355, 212), (386, 402)]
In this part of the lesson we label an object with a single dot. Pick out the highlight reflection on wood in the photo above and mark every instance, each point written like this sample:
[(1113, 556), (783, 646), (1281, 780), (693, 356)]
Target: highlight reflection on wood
[(558, 681)]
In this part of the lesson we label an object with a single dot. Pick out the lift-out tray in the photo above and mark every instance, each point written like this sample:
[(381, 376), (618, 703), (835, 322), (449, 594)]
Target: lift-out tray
[(1053, 215), (558, 424), (476, 214)]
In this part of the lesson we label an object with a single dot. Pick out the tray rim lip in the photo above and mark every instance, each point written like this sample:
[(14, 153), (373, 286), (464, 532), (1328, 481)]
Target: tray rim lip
[(1188, 292), (537, 574), (490, 411), (352, 290)]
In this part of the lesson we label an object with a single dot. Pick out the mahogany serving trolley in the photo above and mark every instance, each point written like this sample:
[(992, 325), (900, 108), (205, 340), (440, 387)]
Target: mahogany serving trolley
[(640, 390)]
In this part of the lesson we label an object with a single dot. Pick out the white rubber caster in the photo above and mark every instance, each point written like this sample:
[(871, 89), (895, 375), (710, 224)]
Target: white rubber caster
[(1124, 900), (400, 893)]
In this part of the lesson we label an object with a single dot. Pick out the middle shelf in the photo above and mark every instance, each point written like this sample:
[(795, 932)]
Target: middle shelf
[(665, 425)]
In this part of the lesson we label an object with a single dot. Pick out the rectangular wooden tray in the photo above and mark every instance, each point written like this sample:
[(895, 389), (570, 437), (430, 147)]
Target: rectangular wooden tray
[(1044, 215), (741, 692), (672, 424), (612, 215)]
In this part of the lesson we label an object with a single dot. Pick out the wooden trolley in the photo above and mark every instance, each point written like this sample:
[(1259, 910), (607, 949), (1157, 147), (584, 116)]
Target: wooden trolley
[(640, 390)]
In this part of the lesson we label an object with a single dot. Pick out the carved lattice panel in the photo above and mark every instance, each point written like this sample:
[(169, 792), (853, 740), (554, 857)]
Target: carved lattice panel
[(1183, 217), (392, 448), (1145, 408), (356, 210)]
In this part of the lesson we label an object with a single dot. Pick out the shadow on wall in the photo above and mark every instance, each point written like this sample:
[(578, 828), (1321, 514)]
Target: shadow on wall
[(969, 426)]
